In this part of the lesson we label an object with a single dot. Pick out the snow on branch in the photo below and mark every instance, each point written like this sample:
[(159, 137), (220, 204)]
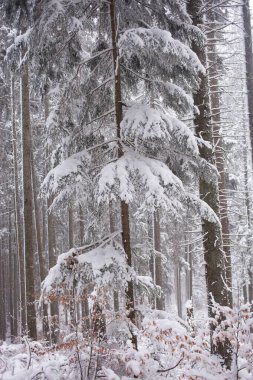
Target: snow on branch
[(67, 175), (147, 285), (21, 39), (132, 172), (202, 208), (144, 122), (102, 265), (143, 41), (174, 96), (183, 136)]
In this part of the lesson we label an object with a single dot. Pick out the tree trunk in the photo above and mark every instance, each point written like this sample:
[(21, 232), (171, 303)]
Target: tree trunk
[(219, 156), (123, 205), (72, 301), (112, 217), (249, 83), (42, 264), (9, 315), (179, 289), (28, 205), (213, 245), (84, 300), (21, 299), (81, 226), (54, 309), (50, 223), (160, 302), (71, 226), (2, 294)]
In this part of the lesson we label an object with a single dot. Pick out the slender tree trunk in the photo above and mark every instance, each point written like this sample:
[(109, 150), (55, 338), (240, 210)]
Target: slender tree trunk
[(84, 300), (53, 321), (179, 289), (28, 205), (152, 256), (42, 265), (189, 272), (213, 244), (21, 299), (123, 206), (10, 284), (249, 83), (2, 293), (72, 302), (54, 309), (112, 217), (16, 293), (81, 225), (160, 302), (71, 226)]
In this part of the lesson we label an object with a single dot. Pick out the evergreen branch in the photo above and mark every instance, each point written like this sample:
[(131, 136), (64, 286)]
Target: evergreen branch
[(90, 59), (140, 76), (101, 85), (65, 44), (98, 243), (112, 110)]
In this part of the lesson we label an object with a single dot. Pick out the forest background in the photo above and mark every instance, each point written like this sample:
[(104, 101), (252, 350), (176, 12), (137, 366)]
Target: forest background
[(126, 189)]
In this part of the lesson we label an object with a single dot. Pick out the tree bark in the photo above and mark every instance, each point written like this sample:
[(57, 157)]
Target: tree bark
[(219, 156), (160, 302), (9, 315), (249, 83), (209, 192), (71, 226), (112, 217), (28, 204), (21, 299), (54, 308), (124, 209)]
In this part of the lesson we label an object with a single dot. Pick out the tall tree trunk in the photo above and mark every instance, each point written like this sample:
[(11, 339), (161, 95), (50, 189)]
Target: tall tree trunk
[(41, 256), (42, 264), (10, 284), (71, 226), (73, 305), (28, 204), (2, 293), (179, 289), (249, 83), (219, 156), (81, 225), (213, 245), (84, 300), (150, 222), (21, 299), (123, 205), (112, 217), (54, 309), (160, 302)]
